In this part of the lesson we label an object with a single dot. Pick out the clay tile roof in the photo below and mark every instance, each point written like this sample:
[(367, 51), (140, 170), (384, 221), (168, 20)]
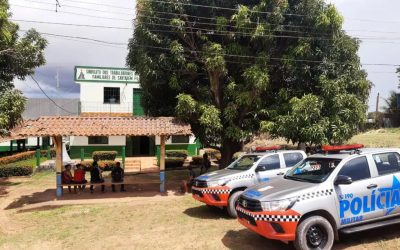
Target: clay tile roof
[(99, 126)]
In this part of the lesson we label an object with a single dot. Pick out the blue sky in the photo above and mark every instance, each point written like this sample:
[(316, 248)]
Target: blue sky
[(376, 21)]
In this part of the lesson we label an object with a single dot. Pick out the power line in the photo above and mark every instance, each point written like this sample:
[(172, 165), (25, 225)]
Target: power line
[(271, 58), (72, 24), (82, 8), (100, 4), (81, 38), (255, 11), (227, 33), (71, 13), (37, 83)]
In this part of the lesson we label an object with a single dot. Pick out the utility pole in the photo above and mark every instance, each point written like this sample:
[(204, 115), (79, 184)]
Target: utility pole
[(377, 109)]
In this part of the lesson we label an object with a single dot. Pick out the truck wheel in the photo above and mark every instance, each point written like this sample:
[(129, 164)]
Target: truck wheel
[(232, 202), (314, 232)]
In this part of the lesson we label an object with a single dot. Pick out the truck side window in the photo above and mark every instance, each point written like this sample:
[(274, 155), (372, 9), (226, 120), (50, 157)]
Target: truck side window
[(357, 169), (271, 162), (292, 159), (387, 163)]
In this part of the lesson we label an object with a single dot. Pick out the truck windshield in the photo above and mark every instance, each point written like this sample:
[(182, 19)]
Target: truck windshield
[(244, 163), (313, 170)]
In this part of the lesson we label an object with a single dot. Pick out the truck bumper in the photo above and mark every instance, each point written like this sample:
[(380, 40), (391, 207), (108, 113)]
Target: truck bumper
[(272, 225), (214, 196)]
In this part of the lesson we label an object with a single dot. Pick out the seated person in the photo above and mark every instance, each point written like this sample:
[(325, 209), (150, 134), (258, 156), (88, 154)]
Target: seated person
[(79, 176), (117, 175), (67, 177), (187, 185), (96, 176)]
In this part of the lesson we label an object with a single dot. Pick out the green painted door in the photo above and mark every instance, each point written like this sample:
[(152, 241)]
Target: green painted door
[(137, 102)]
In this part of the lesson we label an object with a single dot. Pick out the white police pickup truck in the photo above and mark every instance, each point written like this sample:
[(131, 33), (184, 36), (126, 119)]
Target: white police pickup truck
[(223, 187), (346, 189)]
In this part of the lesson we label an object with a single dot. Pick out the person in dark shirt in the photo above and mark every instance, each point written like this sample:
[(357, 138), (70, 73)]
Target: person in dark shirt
[(117, 175), (206, 164), (95, 176)]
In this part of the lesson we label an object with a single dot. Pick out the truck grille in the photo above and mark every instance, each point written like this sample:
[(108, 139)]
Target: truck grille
[(200, 183), (250, 219), (251, 205), (197, 192)]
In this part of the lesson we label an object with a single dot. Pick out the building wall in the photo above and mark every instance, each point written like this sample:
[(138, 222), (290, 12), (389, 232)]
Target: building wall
[(92, 97), (37, 107), (30, 144)]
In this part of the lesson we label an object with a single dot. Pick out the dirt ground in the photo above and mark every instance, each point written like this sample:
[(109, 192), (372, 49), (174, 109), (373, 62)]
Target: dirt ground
[(31, 217)]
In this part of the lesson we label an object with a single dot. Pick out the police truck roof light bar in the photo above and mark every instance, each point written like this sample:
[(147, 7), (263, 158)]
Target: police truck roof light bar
[(328, 148), (264, 149)]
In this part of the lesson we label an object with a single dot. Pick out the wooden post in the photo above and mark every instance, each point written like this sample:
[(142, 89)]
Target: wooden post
[(11, 146), (162, 164), (59, 164)]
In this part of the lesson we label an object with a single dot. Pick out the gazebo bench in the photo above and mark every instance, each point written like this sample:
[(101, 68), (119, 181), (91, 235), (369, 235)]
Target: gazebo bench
[(109, 183)]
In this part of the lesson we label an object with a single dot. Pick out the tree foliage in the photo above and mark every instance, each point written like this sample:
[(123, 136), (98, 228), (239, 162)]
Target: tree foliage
[(19, 56), (229, 68)]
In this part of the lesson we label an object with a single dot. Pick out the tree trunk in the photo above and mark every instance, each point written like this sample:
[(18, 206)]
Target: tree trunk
[(227, 150)]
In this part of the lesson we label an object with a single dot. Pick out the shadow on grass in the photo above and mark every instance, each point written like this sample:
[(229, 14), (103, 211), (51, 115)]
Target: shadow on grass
[(5, 184), (143, 190), (383, 236), (245, 239), (207, 212)]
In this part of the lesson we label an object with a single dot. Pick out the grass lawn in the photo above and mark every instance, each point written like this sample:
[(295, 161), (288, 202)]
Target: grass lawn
[(28, 162), (379, 138)]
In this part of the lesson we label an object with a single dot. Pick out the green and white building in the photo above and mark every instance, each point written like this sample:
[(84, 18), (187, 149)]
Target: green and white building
[(117, 92)]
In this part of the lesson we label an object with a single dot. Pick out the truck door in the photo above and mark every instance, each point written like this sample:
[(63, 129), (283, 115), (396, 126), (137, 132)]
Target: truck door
[(353, 200), (387, 191), (291, 159), (267, 168)]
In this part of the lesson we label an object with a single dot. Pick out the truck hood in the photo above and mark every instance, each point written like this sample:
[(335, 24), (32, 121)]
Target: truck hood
[(221, 174), (278, 189)]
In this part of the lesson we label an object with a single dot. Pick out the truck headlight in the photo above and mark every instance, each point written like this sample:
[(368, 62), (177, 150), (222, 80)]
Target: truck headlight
[(280, 205), (217, 183)]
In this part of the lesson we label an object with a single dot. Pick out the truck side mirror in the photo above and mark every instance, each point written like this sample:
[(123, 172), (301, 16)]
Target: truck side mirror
[(261, 168), (343, 180)]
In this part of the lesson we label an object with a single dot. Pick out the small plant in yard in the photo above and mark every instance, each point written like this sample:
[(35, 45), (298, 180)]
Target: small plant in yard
[(177, 153)]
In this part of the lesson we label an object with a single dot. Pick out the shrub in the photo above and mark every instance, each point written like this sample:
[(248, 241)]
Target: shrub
[(237, 155), (197, 160), (107, 165), (174, 162), (213, 153), (43, 153), (15, 171), (177, 153), (24, 156), (17, 157), (87, 165), (104, 155)]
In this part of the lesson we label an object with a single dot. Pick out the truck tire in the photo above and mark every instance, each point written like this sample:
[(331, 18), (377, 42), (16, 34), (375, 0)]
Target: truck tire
[(232, 202), (314, 233)]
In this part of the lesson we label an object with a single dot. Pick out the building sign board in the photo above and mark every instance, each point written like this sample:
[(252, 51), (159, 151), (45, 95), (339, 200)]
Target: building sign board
[(101, 74)]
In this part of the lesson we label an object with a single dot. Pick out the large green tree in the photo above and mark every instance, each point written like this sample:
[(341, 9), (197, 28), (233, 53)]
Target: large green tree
[(227, 66), (19, 56)]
